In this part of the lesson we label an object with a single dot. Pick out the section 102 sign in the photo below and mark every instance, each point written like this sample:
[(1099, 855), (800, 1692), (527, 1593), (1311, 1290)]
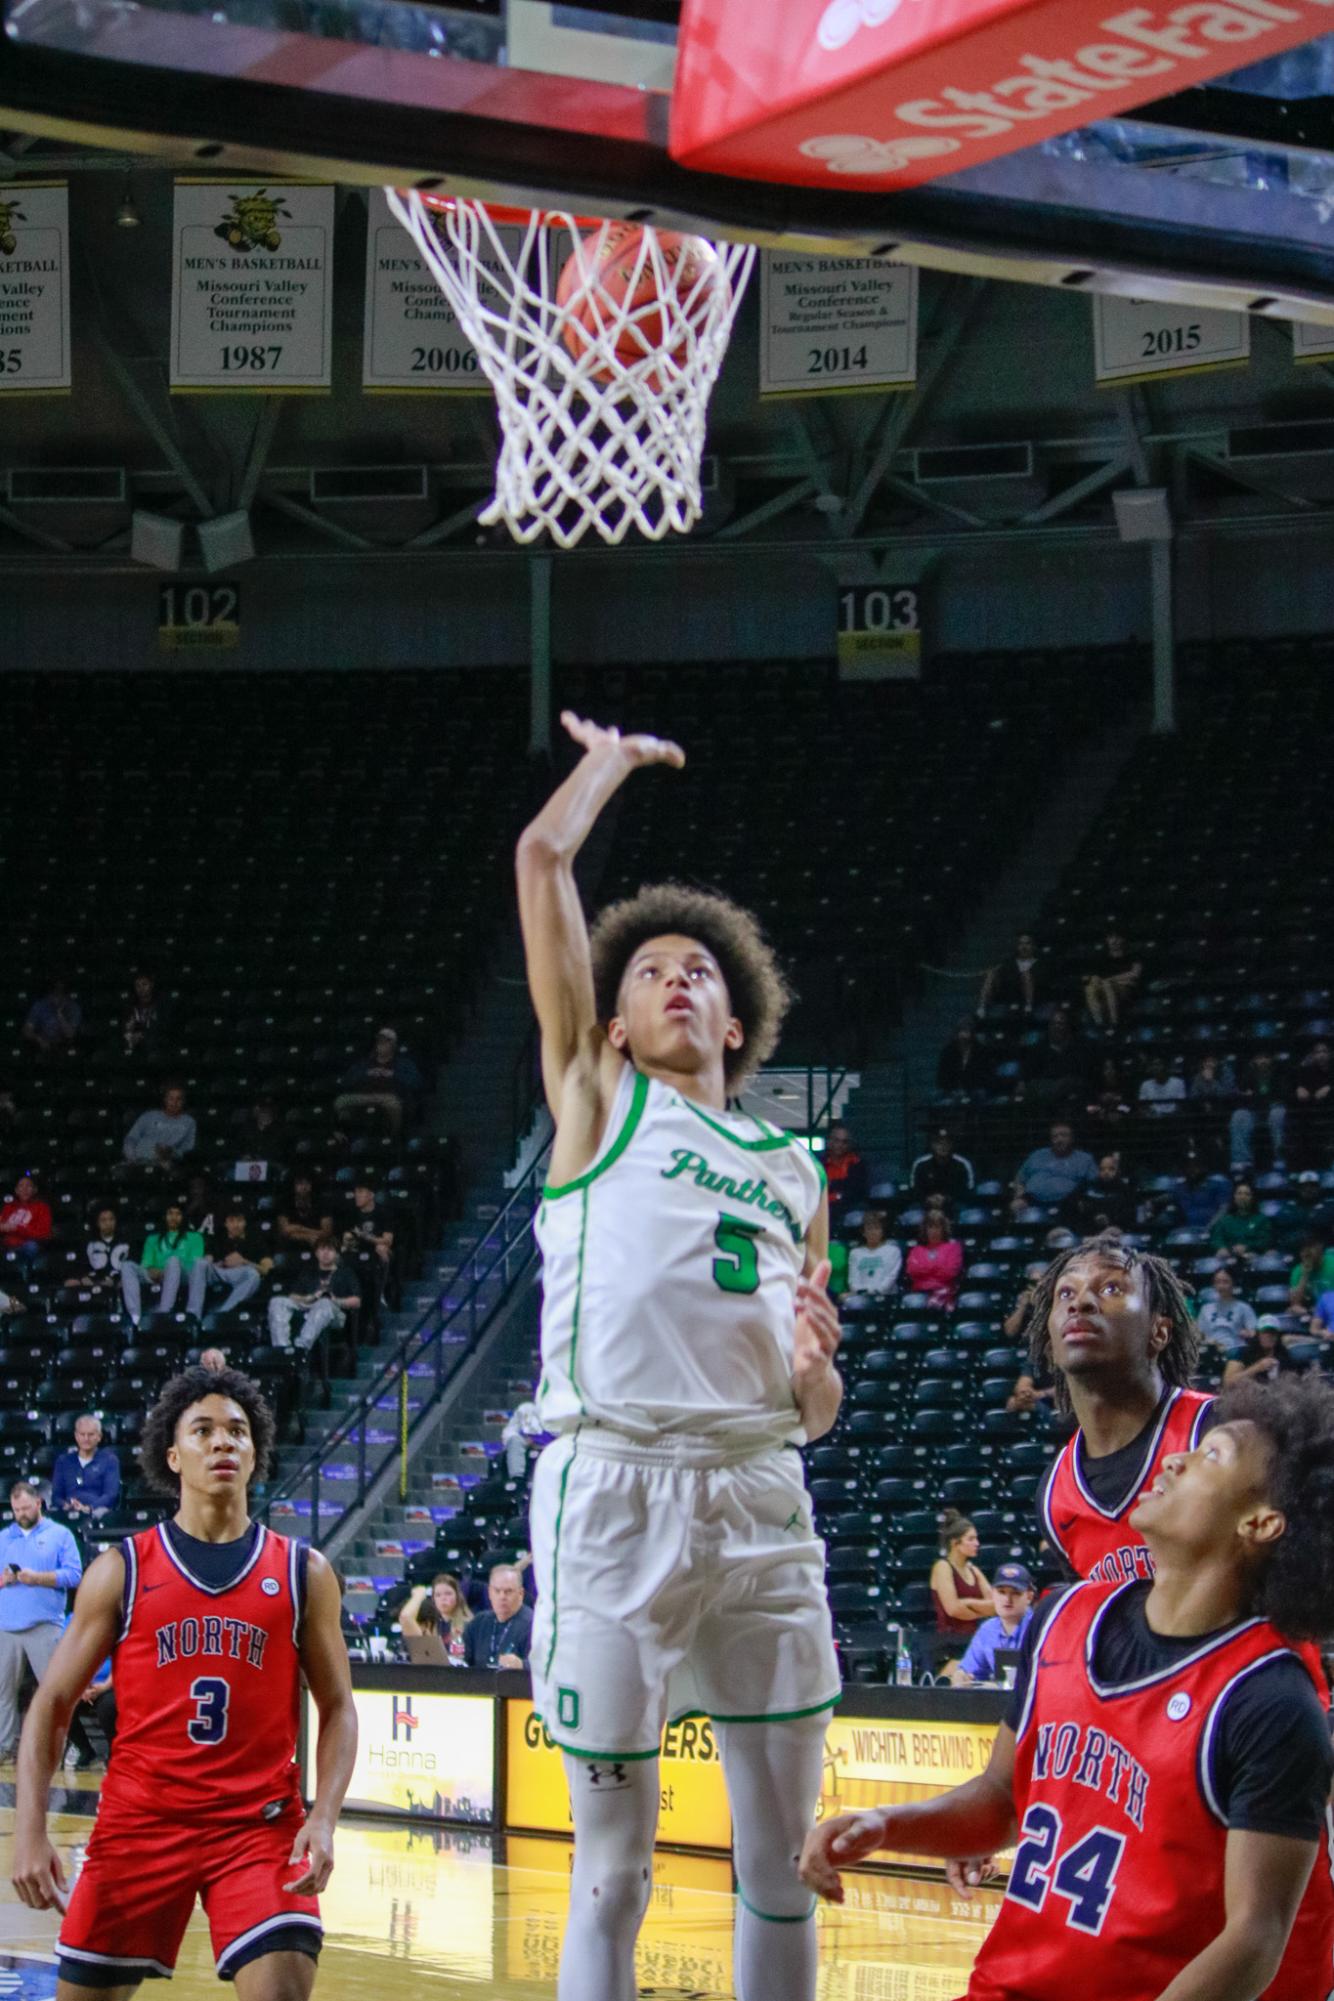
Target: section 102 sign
[(879, 632)]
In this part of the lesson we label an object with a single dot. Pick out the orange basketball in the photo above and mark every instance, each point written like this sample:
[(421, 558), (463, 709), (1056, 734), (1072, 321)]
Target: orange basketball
[(612, 281)]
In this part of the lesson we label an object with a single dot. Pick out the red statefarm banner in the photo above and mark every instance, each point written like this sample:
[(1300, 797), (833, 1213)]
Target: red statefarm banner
[(884, 94)]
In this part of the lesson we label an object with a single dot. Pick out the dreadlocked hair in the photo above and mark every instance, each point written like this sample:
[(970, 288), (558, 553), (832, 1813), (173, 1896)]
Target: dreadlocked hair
[(191, 1387), (1294, 1586), (1167, 1300), (756, 986)]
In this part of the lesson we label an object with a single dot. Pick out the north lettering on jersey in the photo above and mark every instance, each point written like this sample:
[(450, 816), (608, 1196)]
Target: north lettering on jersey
[(1086, 1756), (755, 1191), (1119, 1566), (225, 1639)]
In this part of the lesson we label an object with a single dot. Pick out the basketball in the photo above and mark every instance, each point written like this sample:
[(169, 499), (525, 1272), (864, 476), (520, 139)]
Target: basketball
[(614, 284)]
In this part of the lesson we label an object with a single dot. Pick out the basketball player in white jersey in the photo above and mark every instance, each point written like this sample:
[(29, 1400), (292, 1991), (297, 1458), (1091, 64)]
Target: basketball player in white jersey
[(688, 1345)]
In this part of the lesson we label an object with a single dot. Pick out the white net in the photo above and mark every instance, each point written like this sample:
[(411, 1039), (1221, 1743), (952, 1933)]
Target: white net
[(602, 343)]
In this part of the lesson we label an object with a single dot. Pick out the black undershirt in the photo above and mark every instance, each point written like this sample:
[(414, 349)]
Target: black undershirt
[(216, 1564), (1114, 1479), (1272, 1760)]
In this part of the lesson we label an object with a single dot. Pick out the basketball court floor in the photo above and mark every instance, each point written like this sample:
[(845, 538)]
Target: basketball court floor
[(483, 1917)]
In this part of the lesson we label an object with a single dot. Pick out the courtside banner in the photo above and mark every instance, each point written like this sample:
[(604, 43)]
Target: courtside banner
[(34, 288), (693, 1807), (889, 93)]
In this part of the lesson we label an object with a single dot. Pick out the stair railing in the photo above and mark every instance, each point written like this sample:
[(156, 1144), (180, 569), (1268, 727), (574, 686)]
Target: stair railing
[(433, 1351)]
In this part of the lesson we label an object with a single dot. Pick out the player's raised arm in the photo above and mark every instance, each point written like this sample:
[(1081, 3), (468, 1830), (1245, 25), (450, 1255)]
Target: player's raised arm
[(37, 1875), (555, 934), (816, 1383), (324, 1664)]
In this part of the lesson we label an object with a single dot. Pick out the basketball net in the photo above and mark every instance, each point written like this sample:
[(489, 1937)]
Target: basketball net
[(590, 438)]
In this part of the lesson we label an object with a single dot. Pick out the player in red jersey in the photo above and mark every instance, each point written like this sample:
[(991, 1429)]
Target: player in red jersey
[(211, 1620), (1165, 1760)]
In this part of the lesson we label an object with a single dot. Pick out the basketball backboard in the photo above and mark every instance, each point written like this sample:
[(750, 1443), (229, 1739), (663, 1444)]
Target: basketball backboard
[(1221, 195)]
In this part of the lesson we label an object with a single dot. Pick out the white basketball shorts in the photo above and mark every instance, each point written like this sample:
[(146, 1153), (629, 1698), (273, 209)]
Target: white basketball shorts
[(673, 1580)]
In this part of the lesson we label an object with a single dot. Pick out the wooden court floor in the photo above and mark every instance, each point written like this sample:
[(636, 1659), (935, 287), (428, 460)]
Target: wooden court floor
[(483, 1917)]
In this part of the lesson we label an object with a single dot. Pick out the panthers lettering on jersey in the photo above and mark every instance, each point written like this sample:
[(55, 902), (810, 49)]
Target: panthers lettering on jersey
[(207, 1681), (1099, 1543), (1118, 1874), (670, 1272)]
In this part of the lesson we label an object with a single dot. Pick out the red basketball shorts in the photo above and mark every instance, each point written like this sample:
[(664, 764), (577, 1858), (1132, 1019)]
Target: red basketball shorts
[(138, 1886)]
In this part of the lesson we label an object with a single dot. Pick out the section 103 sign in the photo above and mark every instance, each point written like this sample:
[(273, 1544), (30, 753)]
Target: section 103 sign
[(879, 632)]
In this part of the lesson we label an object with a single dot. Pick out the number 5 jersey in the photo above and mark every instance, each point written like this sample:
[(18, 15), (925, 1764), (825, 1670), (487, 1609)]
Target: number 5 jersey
[(670, 1274), (207, 1681)]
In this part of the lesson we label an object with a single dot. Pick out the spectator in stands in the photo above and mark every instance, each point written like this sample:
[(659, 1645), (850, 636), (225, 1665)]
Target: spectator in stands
[(962, 1071), (1199, 1194), (1226, 1319), (1264, 1356), (1033, 1390), (1322, 1320), (144, 1024), (942, 1171), (1105, 1203), (1311, 1276), (370, 1225), (1017, 1318), (846, 1172), (39, 1563), (875, 1263), (103, 1254), (1114, 972), (439, 1607), (202, 1207), (1052, 1174), (334, 1293), (162, 1139), (233, 1265), (1262, 1089), (86, 1479), (25, 1220), (935, 1262), (1055, 1070), (54, 1023), (11, 1305), (1240, 1231), (258, 1132), (385, 1079), (170, 1253), (1014, 1591), (1162, 1093), (522, 1435), (501, 1637), (303, 1215), (1013, 982), (1311, 1107), (1304, 1215), (1109, 1083), (1213, 1085), (959, 1591)]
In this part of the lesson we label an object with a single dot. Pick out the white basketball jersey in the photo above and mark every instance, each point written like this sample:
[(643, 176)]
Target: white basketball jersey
[(670, 1274)]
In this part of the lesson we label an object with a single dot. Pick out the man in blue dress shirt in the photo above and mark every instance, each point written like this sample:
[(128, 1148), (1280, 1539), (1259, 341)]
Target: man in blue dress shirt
[(1013, 1589), (86, 1480), (39, 1563)]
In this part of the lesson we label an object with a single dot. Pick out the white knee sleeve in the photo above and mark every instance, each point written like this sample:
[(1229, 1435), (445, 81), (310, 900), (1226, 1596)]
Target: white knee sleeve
[(615, 1807), (773, 1781)]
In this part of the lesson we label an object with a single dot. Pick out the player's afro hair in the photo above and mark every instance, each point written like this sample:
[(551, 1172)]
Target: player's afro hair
[(1167, 1300), (757, 989), (191, 1387), (1295, 1585)]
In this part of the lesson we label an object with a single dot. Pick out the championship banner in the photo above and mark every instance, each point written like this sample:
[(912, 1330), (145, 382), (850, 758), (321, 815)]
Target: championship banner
[(411, 340), (884, 94), (1312, 343), (34, 288), (836, 325), (694, 1811), (252, 291), (1138, 340), (427, 1756)]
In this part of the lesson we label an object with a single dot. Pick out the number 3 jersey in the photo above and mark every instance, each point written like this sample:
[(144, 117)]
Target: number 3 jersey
[(207, 1682), (1121, 1838), (670, 1274)]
